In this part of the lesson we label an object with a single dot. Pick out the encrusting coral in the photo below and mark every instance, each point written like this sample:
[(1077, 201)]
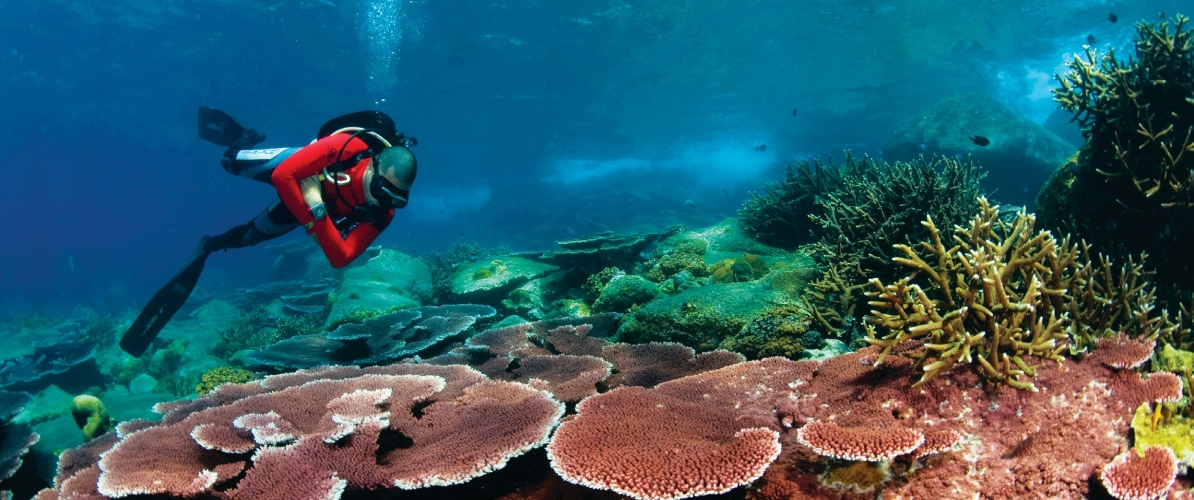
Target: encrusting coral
[(222, 375)]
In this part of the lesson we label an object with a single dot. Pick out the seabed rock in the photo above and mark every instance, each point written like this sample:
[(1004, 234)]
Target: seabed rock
[(390, 280), (488, 281), (1019, 159)]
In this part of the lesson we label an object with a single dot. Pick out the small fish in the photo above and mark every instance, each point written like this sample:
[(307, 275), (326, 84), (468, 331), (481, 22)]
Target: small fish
[(726, 192), (1112, 17), (462, 233), (1162, 15), (70, 259), (794, 111), (1091, 40), (761, 147), (980, 140)]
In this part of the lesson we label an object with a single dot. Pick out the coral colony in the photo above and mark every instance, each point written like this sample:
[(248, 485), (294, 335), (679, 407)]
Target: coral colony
[(842, 339)]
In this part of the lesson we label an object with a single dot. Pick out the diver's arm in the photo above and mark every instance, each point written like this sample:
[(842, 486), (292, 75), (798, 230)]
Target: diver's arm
[(342, 251), (306, 162)]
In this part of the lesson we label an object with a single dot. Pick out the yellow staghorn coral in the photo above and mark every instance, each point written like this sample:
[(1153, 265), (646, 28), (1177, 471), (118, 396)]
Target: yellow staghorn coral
[(996, 296)]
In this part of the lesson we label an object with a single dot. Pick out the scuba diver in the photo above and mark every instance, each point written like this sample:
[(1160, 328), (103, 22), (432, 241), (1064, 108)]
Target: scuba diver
[(342, 188)]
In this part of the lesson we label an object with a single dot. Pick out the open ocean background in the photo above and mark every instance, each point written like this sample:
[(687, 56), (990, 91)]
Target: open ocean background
[(537, 120)]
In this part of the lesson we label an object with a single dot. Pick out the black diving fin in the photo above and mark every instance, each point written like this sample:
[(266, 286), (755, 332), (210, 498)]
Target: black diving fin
[(164, 304), (218, 128)]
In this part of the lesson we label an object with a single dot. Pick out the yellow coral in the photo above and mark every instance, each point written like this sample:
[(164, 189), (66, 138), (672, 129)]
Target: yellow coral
[(992, 299), (756, 264), (482, 273), (1175, 431), (91, 416), (222, 375), (857, 476)]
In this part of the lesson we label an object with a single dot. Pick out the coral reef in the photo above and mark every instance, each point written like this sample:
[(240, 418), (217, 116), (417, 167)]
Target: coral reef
[(1130, 188), (91, 416), (30, 371), (483, 282), (597, 281), (713, 453), (15, 439), (828, 439), (624, 292), (384, 338), (442, 265), (746, 268), (600, 250), (879, 204), (323, 433)]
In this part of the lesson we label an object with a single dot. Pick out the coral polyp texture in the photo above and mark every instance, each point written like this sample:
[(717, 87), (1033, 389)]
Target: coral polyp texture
[(1123, 353), (1140, 475), (863, 444), (653, 446), (322, 433)]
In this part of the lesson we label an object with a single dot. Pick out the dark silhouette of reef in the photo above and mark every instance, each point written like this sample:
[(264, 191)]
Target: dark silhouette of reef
[(1130, 188)]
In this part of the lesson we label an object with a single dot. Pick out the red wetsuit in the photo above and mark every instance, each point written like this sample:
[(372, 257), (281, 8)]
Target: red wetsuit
[(311, 160)]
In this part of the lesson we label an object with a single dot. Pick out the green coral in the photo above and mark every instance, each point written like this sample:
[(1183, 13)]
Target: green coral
[(625, 291), (597, 281), (772, 335), (223, 375), (166, 360), (289, 326), (779, 216), (360, 316), (749, 267), (34, 320), (683, 252), (444, 264), (1130, 189), (101, 329), (252, 329), (699, 317), (879, 204), (91, 416), (1175, 360)]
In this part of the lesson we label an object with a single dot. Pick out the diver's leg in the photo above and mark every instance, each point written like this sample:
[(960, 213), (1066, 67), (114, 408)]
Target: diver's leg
[(256, 164), (275, 221)]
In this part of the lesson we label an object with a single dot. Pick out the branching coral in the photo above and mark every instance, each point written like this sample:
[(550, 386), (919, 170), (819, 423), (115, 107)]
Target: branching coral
[(1103, 299), (997, 298), (1131, 186), (879, 203), (779, 216), (857, 211), (832, 300)]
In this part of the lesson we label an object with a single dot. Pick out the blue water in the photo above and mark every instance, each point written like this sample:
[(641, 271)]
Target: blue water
[(537, 120)]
